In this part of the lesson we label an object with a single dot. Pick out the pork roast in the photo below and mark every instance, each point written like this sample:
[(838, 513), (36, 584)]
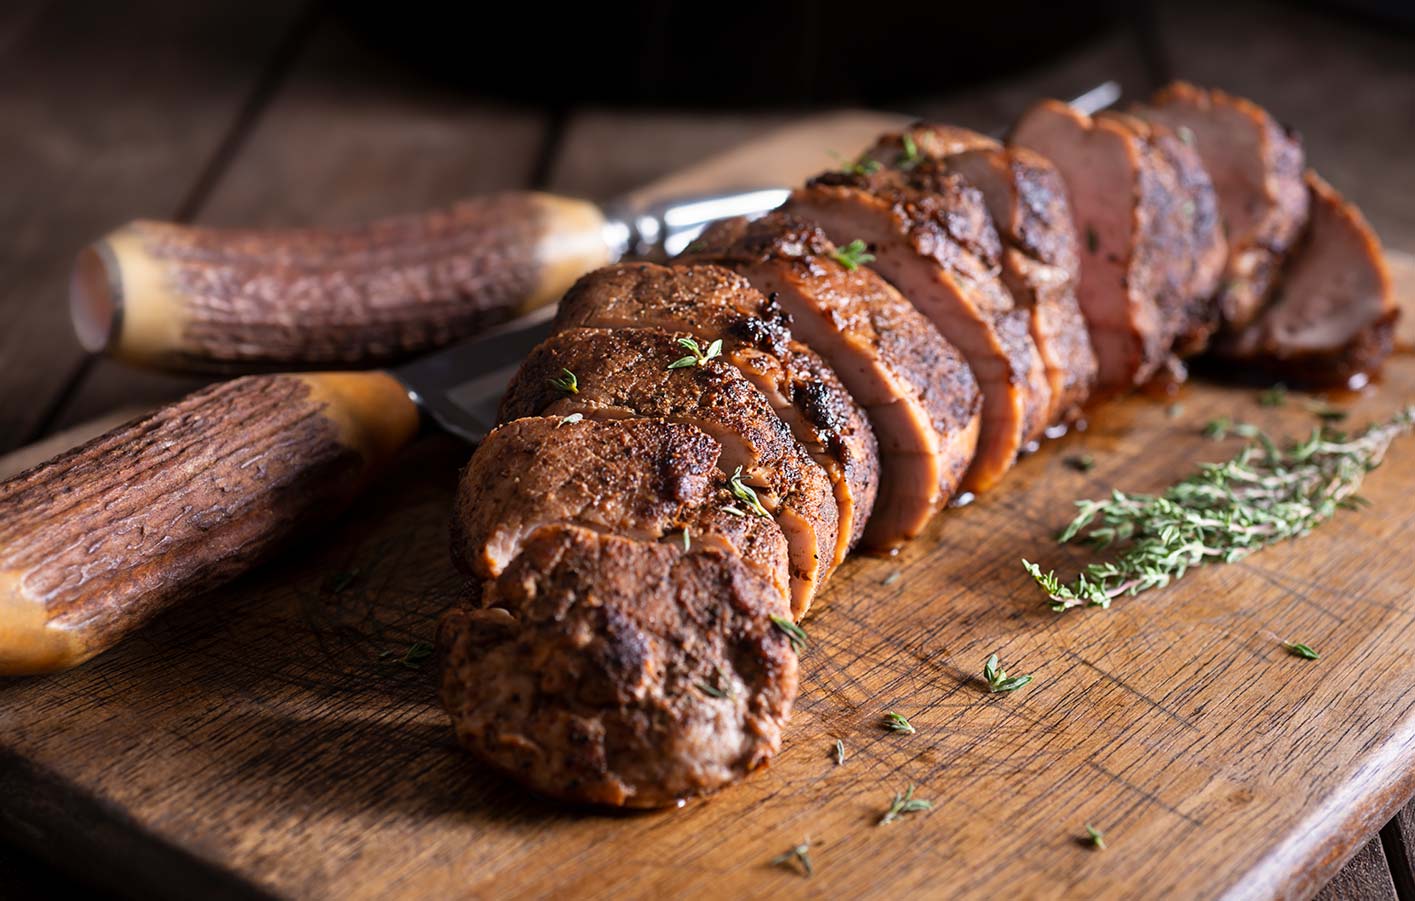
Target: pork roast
[(610, 671), (1255, 166), (1040, 264), (920, 396), (623, 373), (933, 239), (714, 304), (1331, 320), (645, 479)]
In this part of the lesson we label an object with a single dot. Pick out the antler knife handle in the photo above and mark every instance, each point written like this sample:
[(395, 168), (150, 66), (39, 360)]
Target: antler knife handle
[(97, 541), (196, 298)]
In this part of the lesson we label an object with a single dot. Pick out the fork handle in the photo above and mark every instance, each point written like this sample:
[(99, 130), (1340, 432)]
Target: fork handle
[(97, 541), (213, 299)]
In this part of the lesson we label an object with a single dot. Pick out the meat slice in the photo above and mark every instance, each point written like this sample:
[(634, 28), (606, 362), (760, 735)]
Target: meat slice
[(1110, 179), (919, 394), (1256, 169), (624, 373), (645, 479), (712, 303), (610, 671), (1185, 234), (1040, 263), (934, 240), (1331, 321)]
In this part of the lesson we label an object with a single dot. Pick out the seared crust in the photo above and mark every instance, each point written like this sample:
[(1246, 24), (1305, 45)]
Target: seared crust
[(1331, 321), (934, 237), (1256, 168), (645, 479), (1040, 265), (624, 373), (616, 672), (712, 303), (920, 395)]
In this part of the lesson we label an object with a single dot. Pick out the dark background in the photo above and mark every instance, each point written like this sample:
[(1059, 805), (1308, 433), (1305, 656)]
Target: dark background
[(666, 61)]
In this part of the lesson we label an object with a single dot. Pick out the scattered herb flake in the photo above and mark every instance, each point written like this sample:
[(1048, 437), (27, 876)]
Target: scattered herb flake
[(1275, 396), (910, 157), (864, 166), (896, 722), (566, 382), (998, 680), (1298, 649), (746, 495), (1082, 463), (417, 654), (853, 255), (839, 752), (797, 857), (687, 540), (891, 578), (712, 691), (1224, 512), (572, 418), (1095, 837), (903, 804), (1093, 240), (793, 632), (1326, 412), (1174, 411)]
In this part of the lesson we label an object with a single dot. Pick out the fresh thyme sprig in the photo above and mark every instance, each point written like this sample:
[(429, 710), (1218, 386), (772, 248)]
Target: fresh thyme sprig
[(998, 680), (696, 355), (746, 495), (902, 804), (1224, 512), (853, 255), (863, 166), (566, 382), (896, 722), (797, 856), (1298, 649), (794, 633)]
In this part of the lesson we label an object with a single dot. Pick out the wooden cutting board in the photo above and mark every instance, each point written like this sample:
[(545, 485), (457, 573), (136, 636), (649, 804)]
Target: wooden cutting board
[(266, 739)]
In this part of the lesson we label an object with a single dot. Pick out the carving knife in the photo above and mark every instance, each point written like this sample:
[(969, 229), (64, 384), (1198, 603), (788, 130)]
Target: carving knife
[(188, 297), (97, 541)]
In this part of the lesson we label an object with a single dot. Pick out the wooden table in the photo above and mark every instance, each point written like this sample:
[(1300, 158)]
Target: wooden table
[(232, 144)]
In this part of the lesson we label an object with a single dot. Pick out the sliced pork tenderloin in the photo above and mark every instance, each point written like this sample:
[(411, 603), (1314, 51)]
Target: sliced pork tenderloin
[(1255, 166), (645, 479), (1186, 234), (1331, 320), (921, 398), (933, 239), (1109, 172), (1040, 263), (604, 670), (624, 373), (714, 304)]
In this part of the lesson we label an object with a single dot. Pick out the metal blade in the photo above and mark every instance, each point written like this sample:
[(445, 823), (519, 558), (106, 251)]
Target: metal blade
[(460, 388)]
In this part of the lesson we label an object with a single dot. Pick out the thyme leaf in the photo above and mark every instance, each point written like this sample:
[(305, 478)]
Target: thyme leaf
[(1095, 837), (799, 856), (910, 157), (839, 752), (853, 255), (794, 633), (1081, 463), (566, 382), (1298, 649), (413, 658), (1222, 513), (746, 495), (998, 680), (572, 418), (896, 722), (1275, 396), (696, 355), (903, 804)]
